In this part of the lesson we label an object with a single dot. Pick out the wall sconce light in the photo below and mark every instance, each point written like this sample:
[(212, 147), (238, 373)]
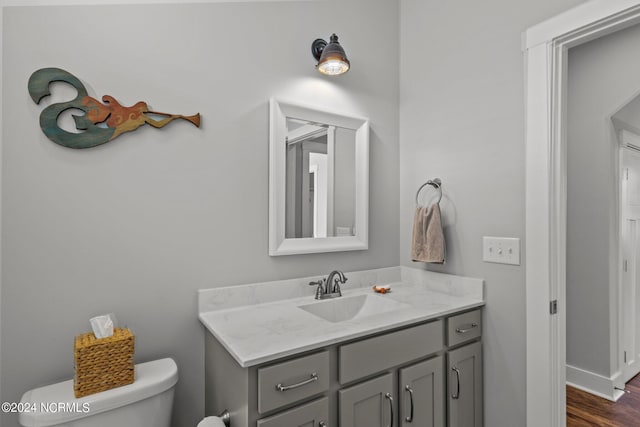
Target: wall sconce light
[(331, 58)]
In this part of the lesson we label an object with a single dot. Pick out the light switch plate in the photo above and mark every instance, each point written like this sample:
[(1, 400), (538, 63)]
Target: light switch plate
[(501, 250)]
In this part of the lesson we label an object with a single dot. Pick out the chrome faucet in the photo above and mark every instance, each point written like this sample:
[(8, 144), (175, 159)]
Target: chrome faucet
[(341, 279), (329, 287)]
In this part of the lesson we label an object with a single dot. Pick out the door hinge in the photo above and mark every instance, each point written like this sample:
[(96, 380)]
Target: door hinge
[(625, 357), (553, 307), (624, 265), (626, 174)]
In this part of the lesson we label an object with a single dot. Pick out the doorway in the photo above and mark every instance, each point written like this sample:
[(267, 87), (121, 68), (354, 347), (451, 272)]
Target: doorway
[(546, 49), (602, 135), (630, 254)]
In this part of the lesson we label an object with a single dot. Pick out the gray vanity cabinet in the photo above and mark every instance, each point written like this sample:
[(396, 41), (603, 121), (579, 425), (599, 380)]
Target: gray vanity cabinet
[(421, 399), (368, 404), (464, 367), (372, 381)]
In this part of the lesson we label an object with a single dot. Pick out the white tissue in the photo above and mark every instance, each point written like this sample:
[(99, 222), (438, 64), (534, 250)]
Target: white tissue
[(103, 325), (211, 422)]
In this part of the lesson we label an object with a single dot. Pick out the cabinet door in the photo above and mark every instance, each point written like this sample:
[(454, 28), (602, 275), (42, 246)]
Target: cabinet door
[(465, 386), (314, 414), (422, 394), (368, 404)]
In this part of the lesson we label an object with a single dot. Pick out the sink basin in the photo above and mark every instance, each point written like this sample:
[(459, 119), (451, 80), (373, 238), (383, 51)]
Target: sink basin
[(353, 307)]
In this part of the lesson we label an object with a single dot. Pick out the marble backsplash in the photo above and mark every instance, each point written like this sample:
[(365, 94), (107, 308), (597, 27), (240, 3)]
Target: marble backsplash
[(223, 298)]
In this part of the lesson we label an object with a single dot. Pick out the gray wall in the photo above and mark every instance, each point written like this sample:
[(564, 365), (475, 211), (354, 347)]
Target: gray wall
[(603, 77), (136, 226), (462, 119)]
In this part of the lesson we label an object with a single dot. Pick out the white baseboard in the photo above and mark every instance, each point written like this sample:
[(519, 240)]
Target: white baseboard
[(592, 383)]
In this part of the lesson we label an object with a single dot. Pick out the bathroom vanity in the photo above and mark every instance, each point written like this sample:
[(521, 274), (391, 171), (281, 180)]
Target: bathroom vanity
[(412, 357)]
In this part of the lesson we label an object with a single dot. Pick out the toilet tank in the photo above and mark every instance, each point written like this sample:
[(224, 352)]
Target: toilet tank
[(145, 403)]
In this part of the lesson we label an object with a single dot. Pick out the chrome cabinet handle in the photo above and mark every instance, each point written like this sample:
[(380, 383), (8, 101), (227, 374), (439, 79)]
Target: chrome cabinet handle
[(409, 419), (280, 387), (466, 328), (456, 395), (388, 396)]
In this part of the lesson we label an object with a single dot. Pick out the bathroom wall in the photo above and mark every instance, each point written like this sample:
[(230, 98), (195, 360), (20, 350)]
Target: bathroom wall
[(137, 225), (462, 119), (603, 77), (630, 114)]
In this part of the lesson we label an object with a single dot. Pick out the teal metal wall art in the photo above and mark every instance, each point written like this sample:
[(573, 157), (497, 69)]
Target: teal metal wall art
[(101, 122)]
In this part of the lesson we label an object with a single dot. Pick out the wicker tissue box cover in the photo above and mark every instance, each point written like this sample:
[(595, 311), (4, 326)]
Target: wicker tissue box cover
[(104, 363)]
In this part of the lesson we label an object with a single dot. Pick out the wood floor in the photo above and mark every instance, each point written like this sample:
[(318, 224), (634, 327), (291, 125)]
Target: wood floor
[(586, 410)]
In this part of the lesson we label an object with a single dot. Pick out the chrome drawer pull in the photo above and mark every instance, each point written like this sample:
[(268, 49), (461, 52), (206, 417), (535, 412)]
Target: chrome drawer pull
[(280, 387), (466, 328), (409, 419), (456, 395), (388, 396)]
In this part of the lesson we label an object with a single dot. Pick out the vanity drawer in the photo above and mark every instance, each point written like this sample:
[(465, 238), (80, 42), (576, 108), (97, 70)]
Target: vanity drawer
[(369, 356), (293, 380), (310, 414), (464, 327)]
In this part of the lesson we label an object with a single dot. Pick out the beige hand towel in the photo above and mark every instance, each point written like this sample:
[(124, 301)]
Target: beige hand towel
[(427, 243)]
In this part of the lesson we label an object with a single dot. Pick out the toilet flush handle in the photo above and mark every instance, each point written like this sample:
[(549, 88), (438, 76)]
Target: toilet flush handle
[(226, 418)]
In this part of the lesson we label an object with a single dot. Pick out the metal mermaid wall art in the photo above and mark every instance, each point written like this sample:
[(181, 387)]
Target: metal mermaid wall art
[(102, 121)]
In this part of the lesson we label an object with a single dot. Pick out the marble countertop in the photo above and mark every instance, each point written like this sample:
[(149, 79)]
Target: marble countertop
[(259, 331)]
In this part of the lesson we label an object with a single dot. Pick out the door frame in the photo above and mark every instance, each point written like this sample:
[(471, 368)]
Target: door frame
[(627, 272), (545, 48)]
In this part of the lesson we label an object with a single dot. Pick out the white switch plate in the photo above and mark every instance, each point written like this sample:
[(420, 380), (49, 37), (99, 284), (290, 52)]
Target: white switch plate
[(502, 250)]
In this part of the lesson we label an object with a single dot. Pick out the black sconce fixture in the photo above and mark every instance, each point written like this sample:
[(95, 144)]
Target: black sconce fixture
[(331, 58)]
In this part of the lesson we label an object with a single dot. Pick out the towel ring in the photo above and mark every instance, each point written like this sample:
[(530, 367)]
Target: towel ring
[(435, 183)]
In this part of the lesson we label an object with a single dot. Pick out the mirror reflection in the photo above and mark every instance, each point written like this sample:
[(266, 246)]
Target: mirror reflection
[(320, 180)]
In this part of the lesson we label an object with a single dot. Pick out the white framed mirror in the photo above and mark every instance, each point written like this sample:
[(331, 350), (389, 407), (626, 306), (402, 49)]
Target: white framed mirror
[(318, 180)]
